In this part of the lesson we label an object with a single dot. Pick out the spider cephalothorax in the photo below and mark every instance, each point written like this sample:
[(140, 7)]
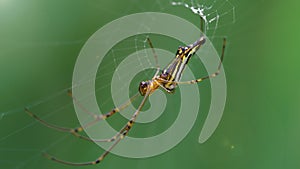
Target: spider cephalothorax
[(143, 87)]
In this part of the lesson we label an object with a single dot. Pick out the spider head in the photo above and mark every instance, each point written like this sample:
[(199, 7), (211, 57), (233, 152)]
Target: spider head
[(143, 87)]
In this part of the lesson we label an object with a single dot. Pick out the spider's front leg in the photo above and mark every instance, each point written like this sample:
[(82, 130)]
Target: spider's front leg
[(76, 131)]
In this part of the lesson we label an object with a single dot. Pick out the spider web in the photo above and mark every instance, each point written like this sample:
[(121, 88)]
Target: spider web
[(23, 139), (216, 14)]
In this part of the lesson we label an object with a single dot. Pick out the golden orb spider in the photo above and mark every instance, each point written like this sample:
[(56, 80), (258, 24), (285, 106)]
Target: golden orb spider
[(167, 79)]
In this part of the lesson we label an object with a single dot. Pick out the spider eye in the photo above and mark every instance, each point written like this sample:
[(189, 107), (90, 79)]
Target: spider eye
[(143, 88), (143, 84)]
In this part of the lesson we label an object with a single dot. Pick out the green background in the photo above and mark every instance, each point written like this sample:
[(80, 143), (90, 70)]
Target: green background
[(39, 44)]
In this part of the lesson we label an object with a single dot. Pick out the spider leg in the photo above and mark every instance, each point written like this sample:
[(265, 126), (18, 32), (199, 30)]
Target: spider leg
[(155, 56), (98, 160), (119, 136), (201, 25), (77, 130), (100, 117)]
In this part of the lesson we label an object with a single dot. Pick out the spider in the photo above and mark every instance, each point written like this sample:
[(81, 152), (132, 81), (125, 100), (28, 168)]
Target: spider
[(167, 79)]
